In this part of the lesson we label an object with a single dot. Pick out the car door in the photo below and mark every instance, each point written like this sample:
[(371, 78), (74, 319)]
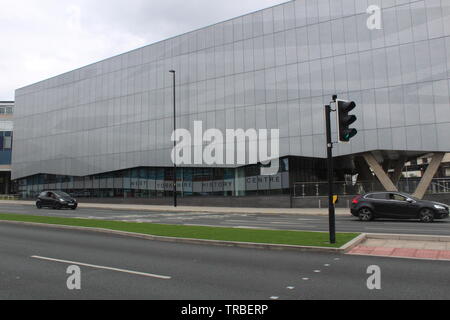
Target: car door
[(379, 202), (53, 199), (42, 198), (399, 208)]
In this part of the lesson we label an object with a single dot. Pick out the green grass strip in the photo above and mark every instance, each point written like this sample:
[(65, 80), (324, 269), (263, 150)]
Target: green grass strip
[(301, 238)]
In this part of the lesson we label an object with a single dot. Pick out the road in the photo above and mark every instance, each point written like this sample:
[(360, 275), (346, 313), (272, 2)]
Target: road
[(280, 221), (31, 268)]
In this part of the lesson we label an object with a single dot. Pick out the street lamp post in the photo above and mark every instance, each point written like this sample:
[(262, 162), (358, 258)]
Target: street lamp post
[(174, 144)]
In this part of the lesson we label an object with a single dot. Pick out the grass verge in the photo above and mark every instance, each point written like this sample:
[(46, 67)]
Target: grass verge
[(299, 238)]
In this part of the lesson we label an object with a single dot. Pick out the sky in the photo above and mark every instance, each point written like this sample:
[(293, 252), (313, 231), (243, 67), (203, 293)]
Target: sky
[(43, 38)]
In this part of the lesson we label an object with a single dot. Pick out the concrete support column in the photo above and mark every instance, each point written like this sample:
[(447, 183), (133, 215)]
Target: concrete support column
[(379, 172), (425, 182)]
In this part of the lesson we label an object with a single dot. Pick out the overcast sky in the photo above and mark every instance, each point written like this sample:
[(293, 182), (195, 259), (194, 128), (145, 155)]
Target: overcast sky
[(44, 38)]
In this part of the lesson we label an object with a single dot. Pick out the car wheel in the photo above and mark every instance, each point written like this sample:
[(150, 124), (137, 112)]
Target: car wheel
[(57, 206), (426, 215), (365, 214), (38, 205)]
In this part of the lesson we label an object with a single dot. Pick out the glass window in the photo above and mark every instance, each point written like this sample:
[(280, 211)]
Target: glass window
[(62, 194), (447, 172), (378, 196), (396, 197), (7, 142)]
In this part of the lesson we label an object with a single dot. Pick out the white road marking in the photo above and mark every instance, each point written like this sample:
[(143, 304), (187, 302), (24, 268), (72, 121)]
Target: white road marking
[(274, 298), (290, 288), (105, 268), (317, 271), (305, 279), (326, 265)]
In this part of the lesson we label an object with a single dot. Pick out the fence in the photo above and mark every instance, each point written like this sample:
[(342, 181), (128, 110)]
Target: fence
[(9, 197), (320, 189)]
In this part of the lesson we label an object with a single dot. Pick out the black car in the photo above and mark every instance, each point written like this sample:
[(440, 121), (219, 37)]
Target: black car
[(397, 205), (56, 200)]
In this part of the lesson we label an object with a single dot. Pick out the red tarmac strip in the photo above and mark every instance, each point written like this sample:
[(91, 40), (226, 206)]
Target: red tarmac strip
[(402, 253)]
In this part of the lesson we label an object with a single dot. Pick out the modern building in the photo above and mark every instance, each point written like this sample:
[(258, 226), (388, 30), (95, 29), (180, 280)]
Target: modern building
[(6, 136), (104, 130)]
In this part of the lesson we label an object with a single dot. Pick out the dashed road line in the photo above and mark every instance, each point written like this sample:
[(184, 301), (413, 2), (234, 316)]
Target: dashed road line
[(104, 268)]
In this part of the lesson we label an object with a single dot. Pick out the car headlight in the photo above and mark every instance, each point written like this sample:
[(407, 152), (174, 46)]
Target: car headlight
[(62, 200), (440, 207)]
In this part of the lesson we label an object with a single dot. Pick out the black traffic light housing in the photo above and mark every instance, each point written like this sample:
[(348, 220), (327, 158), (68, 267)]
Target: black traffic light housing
[(345, 119)]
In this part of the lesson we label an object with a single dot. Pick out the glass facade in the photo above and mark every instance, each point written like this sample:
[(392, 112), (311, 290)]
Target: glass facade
[(147, 182), (271, 69)]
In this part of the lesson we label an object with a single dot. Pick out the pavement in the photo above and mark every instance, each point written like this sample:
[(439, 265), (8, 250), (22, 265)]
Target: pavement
[(35, 261), (415, 248)]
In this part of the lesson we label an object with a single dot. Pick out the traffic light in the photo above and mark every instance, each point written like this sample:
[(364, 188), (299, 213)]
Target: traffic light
[(345, 120)]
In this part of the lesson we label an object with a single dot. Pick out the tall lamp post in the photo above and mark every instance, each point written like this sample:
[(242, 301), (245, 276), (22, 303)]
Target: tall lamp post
[(174, 143)]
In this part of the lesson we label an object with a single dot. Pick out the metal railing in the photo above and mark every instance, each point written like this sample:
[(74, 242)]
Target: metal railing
[(9, 197), (320, 189)]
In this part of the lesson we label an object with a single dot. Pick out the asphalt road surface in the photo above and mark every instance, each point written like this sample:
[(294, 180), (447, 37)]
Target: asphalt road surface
[(264, 221), (34, 261)]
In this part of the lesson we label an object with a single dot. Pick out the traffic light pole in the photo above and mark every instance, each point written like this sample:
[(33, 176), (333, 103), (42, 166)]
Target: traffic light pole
[(331, 209)]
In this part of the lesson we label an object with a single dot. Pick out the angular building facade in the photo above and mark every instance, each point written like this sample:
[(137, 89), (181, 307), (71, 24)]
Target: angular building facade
[(104, 130)]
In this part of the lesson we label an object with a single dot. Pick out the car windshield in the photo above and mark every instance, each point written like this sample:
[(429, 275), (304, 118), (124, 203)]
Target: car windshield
[(62, 194)]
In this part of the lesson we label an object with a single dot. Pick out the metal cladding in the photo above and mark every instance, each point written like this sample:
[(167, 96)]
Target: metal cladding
[(275, 68)]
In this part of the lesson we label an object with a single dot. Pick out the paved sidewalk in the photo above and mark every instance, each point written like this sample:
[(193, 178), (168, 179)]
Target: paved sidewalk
[(419, 249), (155, 208)]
